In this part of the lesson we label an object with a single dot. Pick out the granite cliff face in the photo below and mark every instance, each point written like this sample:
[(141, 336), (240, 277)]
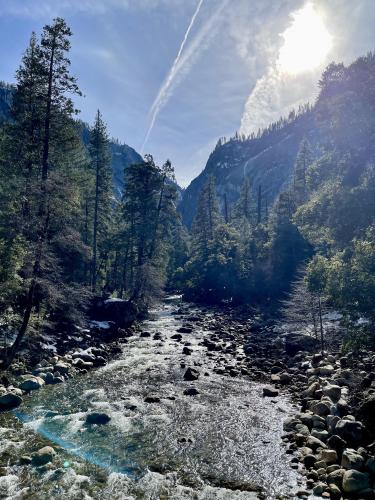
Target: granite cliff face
[(266, 160)]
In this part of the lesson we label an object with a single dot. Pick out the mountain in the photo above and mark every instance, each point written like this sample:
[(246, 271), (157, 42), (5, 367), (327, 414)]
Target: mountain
[(266, 160), (122, 154)]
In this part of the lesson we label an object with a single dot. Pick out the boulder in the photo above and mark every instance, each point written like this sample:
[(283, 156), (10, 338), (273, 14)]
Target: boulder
[(191, 391), (326, 370), (43, 456), (333, 392), (8, 401), (97, 418), (62, 367), (366, 411), (295, 342), (191, 374), (351, 432), (121, 312), (321, 408), (152, 399), (335, 477), (351, 460), (329, 456), (354, 481), (31, 383), (270, 392), (370, 465), (185, 329)]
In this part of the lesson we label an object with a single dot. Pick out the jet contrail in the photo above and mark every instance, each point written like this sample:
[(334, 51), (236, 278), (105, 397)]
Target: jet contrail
[(161, 98)]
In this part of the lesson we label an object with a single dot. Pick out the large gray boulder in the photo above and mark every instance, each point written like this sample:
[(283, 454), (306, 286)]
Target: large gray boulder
[(9, 401), (354, 481), (351, 431), (31, 383), (295, 342), (352, 460)]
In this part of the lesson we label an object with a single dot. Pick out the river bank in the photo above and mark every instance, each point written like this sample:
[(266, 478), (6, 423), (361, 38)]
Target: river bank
[(199, 406)]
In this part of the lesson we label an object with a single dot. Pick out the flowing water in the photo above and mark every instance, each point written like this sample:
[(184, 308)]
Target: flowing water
[(222, 443)]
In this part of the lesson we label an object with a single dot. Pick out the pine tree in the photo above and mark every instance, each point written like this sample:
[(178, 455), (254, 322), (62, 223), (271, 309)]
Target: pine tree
[(47, 67), (100, 157), (303, 161)]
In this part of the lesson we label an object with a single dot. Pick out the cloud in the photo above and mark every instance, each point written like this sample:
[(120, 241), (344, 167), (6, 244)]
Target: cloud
[(184, 61), (162, 96), (277, 91)]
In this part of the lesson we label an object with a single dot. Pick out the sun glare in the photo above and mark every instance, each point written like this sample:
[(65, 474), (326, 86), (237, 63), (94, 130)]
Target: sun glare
[(307, 42)]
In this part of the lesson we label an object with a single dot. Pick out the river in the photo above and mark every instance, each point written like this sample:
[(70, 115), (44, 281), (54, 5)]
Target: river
[(224, 442)]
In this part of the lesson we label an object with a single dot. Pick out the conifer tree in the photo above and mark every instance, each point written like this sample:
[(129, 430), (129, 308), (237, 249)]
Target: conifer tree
[(100, 157)]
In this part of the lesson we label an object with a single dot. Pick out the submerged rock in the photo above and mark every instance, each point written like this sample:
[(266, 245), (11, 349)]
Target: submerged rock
[(97, 418)]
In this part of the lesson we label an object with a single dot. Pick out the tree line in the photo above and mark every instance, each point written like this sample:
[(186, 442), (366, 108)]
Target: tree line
[(63, 236), (317, 243)]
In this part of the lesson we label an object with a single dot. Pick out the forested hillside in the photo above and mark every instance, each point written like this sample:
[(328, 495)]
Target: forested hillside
[(64, 237), (265, 159), (322, 220), (122, 155)]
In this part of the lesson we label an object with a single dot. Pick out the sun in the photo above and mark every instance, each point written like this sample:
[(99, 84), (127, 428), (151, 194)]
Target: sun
[(307, 42)]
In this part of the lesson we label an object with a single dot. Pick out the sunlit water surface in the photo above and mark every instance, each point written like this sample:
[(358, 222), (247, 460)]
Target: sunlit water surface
[(213, 445)]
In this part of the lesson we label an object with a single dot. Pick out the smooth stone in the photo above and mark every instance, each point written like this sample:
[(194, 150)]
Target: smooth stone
[(97, 418)]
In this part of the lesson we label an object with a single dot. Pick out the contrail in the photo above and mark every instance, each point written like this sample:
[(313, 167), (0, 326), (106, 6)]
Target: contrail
[(161, 98)]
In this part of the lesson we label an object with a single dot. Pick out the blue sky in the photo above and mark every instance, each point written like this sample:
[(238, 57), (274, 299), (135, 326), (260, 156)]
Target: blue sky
[(226, 77)]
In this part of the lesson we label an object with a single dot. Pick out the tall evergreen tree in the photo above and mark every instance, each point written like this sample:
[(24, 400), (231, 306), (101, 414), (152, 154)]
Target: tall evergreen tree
[(100, 157)]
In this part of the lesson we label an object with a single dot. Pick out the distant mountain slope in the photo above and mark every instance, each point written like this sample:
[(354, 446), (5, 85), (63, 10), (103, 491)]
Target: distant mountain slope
[(122, 154), (266, 160)]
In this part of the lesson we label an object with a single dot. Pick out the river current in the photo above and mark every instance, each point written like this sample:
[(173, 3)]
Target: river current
[(224, 442)]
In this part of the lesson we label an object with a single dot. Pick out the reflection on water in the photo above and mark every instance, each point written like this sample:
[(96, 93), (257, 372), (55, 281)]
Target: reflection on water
[(220, 443)]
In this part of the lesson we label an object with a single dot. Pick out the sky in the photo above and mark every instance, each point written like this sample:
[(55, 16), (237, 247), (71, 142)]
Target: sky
[(172, 76)]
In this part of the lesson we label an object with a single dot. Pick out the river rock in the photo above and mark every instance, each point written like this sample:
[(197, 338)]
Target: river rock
[(321, 408), (152, 399), (335, 477), (351, 432), (31, 383), (191, 391), (43, 456), (295, 342), (329, 456), (352, 460), (370, 465), (333, 392), (97, 418), (191, 374), (354, 481), (8, 401), (326, 370), (366, 411), (62, 367), (270, 392), (185, 329)]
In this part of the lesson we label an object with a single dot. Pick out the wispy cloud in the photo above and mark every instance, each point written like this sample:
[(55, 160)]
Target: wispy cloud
[(184, 61), (162, 98)]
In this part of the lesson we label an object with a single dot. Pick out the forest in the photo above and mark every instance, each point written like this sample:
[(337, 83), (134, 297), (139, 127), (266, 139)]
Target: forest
[(69, 238)]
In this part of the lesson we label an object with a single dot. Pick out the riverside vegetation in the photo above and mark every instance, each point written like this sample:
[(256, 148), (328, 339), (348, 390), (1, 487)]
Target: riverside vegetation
[(289, 279)]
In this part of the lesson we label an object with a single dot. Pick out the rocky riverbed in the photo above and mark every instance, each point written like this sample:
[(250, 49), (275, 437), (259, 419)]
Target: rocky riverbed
[(196, 403)]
